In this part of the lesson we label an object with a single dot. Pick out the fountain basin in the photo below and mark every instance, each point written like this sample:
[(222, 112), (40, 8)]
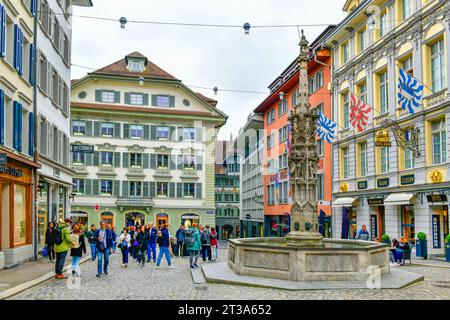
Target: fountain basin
[(335, 260)]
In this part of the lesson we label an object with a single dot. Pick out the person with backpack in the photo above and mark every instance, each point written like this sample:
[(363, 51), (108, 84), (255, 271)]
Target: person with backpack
[(62, 246), (142, 239), (104, 248), (77, 248), (206, 243), (151, 250), (164, 243), (92, 241), (179, 236), (193, 244), (124, 245), (50, 241), (214, 244)]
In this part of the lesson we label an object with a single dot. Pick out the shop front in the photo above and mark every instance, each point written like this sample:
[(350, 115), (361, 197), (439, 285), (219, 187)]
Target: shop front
[(15, 211), (349, 216), (404, 201), (134, 218), (43, 205), (108, 218), (80, 217), (251, 229), (376, 225), (188, 219), (161, 219), (227, 228), (277, 225), (438, 204)]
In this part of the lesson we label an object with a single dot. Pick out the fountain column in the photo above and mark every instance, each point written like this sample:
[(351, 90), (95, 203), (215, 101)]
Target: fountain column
[(303, 160)]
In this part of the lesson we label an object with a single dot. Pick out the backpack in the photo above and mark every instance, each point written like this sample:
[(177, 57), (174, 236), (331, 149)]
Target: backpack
[(57, 236), (74, 241), (189, 237)]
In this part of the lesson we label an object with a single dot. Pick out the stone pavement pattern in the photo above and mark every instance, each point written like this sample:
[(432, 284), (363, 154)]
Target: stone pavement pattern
[(147, 283)]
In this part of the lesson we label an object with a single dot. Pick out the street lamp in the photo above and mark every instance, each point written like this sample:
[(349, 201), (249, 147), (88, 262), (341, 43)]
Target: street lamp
[(123, 21), (141, 81), (246, 27), (215, 89)]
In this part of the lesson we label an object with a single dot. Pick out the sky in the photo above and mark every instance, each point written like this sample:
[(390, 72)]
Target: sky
[(205, 57)]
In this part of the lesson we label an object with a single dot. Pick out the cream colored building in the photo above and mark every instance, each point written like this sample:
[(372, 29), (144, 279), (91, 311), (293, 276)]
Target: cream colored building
[(386, 188), (154, 143)]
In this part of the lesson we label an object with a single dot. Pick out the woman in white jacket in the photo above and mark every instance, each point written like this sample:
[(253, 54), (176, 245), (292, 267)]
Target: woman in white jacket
[(124, 244)]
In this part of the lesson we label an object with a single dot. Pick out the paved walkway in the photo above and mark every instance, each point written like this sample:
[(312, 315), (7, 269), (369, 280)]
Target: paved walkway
[(145, 283)]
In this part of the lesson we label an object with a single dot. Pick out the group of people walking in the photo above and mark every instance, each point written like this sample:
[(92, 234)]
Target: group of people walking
[(137, 242)]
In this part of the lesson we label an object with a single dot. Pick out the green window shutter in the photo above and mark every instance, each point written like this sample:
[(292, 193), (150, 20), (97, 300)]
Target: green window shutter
[(97, 128), (154, 98), (116, 97), (89, 159), (145, 99), (180, 134), (146, 132), (96, 162), (125, 189), (116, 188), (146, 189), (126, 130), (172, 190), (173, 162), (152, 189), (117, 159), (179, 190), (89, 128), (117, 131), (125, 160), (199, 134), (152, 161), (180, 162), (88, 187), (199, 162), (127, 98), (95, 187), (172, 134), (98, 95), (172, 101), (152, 132), (145, 160), (198, 190)]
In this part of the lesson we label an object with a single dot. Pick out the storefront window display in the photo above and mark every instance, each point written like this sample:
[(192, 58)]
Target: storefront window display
[(227, 232), (43, 214), (19, 214), (408, 230), (62, 203), (189, 218)]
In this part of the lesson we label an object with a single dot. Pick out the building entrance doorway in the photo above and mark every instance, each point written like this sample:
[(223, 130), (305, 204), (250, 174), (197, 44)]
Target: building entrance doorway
[(161, 219), (136, 219), (188, 219)]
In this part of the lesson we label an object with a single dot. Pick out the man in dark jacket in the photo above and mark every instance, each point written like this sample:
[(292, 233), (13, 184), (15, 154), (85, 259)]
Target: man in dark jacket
[(105, 244), (142, 239), (179, 235), (92, 241), (50, 241), (164, 242), (151, 249), (206, 243)]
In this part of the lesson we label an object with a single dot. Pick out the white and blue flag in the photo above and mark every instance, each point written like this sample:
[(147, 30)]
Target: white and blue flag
[(326, 128), (409, 91)]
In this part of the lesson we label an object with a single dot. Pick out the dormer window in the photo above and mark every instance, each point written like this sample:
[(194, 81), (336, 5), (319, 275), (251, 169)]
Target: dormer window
[(136, 65)]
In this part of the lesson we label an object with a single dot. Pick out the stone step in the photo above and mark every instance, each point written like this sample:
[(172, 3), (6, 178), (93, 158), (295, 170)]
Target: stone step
[(197, 276)]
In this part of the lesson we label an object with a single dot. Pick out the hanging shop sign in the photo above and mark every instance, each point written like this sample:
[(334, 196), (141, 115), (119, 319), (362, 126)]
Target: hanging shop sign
[(362, 185), (375, 201), (383, 183), (382, 139), (437, 198), (3, 158), (82, 148), (407, 179), (436, 220)]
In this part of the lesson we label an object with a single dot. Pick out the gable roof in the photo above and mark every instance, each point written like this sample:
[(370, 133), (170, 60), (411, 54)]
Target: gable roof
[(119, 68), (209, 100)]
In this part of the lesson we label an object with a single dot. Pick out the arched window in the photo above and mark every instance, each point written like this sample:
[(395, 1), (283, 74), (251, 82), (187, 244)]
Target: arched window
[(188, 219), (108, 217), (161, 218)]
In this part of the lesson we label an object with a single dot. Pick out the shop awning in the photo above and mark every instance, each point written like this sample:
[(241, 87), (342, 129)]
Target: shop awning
[(345, 202), (398, 199)]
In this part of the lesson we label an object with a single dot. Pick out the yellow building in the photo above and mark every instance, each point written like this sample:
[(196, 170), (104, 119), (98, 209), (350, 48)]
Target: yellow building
[(388, 189), (17, 165)]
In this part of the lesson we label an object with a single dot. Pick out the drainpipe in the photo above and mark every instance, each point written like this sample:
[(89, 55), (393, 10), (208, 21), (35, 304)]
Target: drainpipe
[(35, 154)]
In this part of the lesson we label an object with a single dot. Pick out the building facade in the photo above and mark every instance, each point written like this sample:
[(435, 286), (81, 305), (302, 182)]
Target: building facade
[(388, 189), (54, 42), (275, 107), (250, 141), (154, 147), (227, 197), (17, 165)]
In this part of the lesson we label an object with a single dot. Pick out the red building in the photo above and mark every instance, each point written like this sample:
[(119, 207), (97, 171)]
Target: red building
[(276, 108)]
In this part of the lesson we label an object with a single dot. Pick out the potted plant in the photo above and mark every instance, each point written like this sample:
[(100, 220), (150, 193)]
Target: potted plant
[(447, 248), (385, 239), (421, 245)]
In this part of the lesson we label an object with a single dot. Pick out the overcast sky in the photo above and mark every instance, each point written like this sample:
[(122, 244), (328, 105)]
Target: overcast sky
[(205, 57)]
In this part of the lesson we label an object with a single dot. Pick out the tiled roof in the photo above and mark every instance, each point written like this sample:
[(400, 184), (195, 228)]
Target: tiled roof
[(120, 68), (209, 100)]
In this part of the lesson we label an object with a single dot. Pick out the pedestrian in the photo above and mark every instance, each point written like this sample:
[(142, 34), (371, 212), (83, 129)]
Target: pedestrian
[(151, 250), (62, 246), (78, 247), (164, 242), (206, 243), (104, 248), (124, 245), (135, 243), (398, 253), (142, 239), (193, 244), (363, 234), (114, 239), (179, 235), (50, 241), (214, 244), (92, 241)]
